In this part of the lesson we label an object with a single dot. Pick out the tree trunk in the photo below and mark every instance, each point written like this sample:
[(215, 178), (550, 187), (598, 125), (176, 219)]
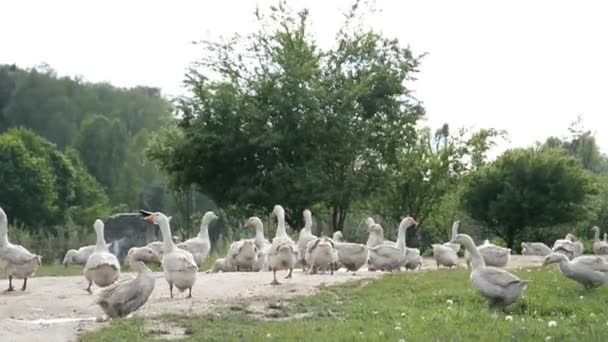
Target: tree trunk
[(510, 237), (338, 217)]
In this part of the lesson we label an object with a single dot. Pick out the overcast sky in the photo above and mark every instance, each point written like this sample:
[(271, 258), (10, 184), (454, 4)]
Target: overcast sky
[(529, 67)]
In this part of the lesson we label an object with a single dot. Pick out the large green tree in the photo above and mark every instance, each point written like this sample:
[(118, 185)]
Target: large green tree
[(272, 118), (42, 186), (535, 187)]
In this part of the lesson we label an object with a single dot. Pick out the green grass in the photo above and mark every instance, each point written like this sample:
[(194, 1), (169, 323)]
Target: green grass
[(408, 306)]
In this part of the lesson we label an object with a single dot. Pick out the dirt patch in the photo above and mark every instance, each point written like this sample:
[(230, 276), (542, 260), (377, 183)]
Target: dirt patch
[(69, 310), (164, 330)]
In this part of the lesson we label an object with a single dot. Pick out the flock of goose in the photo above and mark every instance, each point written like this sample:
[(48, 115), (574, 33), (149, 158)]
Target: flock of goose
[(181, 262)]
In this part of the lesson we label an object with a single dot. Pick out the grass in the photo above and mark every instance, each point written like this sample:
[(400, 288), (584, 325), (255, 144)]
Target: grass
[(403, 306)]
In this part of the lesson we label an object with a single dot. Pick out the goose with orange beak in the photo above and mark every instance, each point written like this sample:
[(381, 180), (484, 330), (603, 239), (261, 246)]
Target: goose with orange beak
[(179, 266)]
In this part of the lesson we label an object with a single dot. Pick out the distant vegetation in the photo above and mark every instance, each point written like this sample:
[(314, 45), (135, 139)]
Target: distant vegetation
[(272, 118)]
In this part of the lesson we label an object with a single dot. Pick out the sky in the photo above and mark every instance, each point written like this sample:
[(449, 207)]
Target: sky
[(528, 67)]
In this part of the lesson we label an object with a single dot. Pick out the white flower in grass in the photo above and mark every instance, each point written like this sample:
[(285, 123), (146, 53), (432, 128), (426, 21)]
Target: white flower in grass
[(403, 314), (375, 312), (381, 333), (360, 332), (548, 338), (581, 297), (268, 335), (402, 340), (509, 318), (552, 324), (592, 315), (449, 301)]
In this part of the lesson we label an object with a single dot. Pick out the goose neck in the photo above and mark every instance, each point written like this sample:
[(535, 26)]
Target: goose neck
[(596, 234), (167, 238), (100, 244), (476, 258), (3, 234)]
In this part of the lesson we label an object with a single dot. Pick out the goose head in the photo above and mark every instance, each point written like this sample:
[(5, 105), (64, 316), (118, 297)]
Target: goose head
[(369, 221), (554, 258), (98, 225), (142, 254), (570, 237), (375, 228), (463, 239), (307, 215), (595, 229), (278, 211), (156, 217), (408, 222), (253, 222), (209, 217)]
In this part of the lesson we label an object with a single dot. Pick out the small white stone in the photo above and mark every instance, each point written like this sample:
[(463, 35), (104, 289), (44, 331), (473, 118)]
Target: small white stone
[(552, 324), (509, 318)]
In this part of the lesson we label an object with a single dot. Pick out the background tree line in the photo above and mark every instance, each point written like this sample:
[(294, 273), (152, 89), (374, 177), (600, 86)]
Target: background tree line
[(273, 118)]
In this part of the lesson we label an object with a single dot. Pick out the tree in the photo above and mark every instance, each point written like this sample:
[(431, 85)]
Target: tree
[(527, 188), (43, 186), (274, 119)]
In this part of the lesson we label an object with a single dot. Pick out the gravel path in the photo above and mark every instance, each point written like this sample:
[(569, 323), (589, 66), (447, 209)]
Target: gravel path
[(58, 308)]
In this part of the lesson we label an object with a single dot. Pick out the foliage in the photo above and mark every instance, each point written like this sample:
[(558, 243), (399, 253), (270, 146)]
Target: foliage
[(108, 126), (274, 119), (44, 185), (360, 311), (527, 188)]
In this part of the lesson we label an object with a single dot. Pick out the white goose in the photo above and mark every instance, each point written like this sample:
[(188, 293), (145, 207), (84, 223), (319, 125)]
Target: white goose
[(590, 271), (599, 247), (535, 248), (283, 252), (179, 266), (492, 255), (15, 260), (102, 267), (200, 245), (498, 286), (305, 237), (337, 237), (386, 256), (79, 256), (568, 246), (444, 255), (412, 259), (262, 245), (125, 297), (242, 256), (321, 255)]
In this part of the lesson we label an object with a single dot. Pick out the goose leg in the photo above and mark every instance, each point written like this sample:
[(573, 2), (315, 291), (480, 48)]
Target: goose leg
[(24, 284), (10, 284), (289, 275), (88, 289), (189, 293), (171, 289), (331, 269), (274, 274)]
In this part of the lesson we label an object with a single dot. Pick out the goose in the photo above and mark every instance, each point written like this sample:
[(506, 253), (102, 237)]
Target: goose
[(261, 243), (243, 255), (15, 260), (337, 237), (305, 237), (492, 255), (535, 248), (386, 256), (590, 271), (102, 267), (283, 252), (498, 286), (599, 247), (200, 245), (605, 237), (444, 255), (220, 265), (124, 297), (568, 246), (351, 255), (321, 255), (454, 246), (145, 254), (178, 265), (412, 259)]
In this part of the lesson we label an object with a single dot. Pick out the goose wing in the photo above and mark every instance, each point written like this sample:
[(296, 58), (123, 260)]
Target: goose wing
[(17, 255), (499, 277)]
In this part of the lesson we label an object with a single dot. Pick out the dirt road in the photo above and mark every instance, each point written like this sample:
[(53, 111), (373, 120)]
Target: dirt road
[(58, 308)]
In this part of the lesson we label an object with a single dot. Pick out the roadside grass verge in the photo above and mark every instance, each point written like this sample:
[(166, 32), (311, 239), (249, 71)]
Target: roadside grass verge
[(426, 306)]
